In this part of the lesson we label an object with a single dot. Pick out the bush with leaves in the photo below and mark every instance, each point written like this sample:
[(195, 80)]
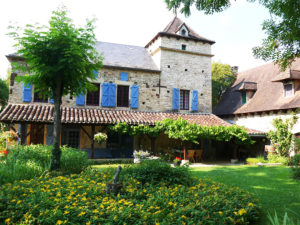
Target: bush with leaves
[(296, 166), (26, 162), (282, 135), (158, 171)]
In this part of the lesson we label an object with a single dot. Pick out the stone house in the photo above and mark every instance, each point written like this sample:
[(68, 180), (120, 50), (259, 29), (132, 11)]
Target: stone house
[(261, 94), (168, 78)]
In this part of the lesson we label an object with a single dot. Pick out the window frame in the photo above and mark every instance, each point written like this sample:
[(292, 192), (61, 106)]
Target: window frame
[(39, 99), (244, 96), (285, 91), (184, 104), (92, 93), (121, 100)]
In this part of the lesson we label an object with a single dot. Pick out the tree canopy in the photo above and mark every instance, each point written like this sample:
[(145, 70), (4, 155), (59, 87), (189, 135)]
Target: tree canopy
[(222, 78), (282, 44), (60, 59)]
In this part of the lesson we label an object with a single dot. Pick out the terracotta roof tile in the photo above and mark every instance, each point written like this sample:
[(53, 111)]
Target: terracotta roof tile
[(43, 113)]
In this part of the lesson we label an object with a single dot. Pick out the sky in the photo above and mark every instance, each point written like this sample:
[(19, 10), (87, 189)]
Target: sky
[(135, 22)]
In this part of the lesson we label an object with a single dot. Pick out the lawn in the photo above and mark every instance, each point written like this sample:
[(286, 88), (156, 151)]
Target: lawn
[(273, 186)]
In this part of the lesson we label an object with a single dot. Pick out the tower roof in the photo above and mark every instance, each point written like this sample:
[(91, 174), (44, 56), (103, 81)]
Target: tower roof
[(173, 28)]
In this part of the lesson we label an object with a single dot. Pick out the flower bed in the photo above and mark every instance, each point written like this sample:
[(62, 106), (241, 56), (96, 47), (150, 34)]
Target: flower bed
[(81, 199)]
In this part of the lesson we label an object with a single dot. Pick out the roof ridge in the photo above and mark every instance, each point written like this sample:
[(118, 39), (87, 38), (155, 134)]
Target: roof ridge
[(120, 44)]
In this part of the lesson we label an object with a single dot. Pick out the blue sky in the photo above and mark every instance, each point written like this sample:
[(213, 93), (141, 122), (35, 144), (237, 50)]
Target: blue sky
[(135, 22)]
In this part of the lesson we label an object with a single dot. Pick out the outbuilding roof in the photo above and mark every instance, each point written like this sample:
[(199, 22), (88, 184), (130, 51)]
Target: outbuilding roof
[(43, 113), (269, 95)]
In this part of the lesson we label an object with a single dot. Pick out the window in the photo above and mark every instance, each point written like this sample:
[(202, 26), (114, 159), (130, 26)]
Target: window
[(244, 97), (288, 89), (122, 96), (92, 97), (71, 137), (184, 99), (37, 97), (183, 32), (183, 47)]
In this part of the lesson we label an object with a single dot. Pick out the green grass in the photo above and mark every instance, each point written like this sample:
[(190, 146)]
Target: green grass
[(273, 186)]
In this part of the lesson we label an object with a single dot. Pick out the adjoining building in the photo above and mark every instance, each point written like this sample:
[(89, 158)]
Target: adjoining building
[(168, 78), (261, 94)]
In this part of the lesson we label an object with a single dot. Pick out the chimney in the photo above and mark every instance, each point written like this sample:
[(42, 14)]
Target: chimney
[(235, 70)]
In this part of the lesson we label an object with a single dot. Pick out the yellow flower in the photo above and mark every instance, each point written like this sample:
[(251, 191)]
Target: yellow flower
[(7, 220), (221, 213), (242, 211), (183, 217), (95, 211), (66, 212), (81, 214), (88, 223), (250, 204), (59, 222)]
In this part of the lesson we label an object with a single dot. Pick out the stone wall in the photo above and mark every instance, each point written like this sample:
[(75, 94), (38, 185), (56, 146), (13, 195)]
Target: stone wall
[(147, 81), (188, 69)]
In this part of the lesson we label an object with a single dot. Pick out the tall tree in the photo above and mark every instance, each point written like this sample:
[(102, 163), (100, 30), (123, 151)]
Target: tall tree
[(222, 78), (60, 60), (3, 93), (282, 44)]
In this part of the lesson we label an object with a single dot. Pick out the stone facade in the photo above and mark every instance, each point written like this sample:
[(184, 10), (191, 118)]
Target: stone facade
[(188, 69)]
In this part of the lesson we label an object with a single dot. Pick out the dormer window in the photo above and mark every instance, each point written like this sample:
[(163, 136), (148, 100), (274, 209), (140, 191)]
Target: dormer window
[(183, 32), (244, 97), (288, 89)]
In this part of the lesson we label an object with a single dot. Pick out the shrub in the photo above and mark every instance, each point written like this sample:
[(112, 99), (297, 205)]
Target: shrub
[(296, 166), (158, 171), (255, 161), (26, 162), (274, 158), (81, 199)]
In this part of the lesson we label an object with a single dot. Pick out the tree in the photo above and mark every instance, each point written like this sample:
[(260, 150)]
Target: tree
[(222, 78), (60, 60), (3, 93), (282, 44)]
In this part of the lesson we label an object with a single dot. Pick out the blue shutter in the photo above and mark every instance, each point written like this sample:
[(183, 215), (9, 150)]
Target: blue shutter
[(112, 95), (134, 96), (105, 95), (51, 100), (195, 100), (95, 72), (124, 76), (27, 93), (175, 98), (80, 99)]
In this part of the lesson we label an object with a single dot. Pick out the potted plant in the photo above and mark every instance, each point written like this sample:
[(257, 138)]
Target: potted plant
[(140, 155), (100, 137), (177, 161)]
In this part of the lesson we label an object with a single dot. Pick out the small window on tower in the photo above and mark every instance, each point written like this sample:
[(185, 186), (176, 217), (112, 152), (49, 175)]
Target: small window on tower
[(183, 32), (183, 47)]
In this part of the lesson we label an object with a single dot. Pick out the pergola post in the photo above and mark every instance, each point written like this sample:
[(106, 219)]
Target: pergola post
[(93, 142), (23, 134)]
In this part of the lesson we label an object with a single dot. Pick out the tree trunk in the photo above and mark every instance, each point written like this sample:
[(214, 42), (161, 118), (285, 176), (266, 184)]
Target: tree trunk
[(56, 152), (93, 143)]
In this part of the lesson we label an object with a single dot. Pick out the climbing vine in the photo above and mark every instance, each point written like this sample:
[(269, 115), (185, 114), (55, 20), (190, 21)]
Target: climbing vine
[(182, 130)]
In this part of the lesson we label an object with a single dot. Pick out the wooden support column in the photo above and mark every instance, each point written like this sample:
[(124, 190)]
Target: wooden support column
[(23, 135), (93, 142), (184, 153)]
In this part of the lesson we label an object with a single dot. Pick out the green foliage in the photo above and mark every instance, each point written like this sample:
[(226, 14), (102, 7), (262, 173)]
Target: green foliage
[(222, 78), (275, 158), (57, 52), (184, 131), (296, 166), (282, 135), (4, 90), (282, 43), (255, 161), (100, 137), (81, 199), (274, 220), (158, 171), (26, 162)]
